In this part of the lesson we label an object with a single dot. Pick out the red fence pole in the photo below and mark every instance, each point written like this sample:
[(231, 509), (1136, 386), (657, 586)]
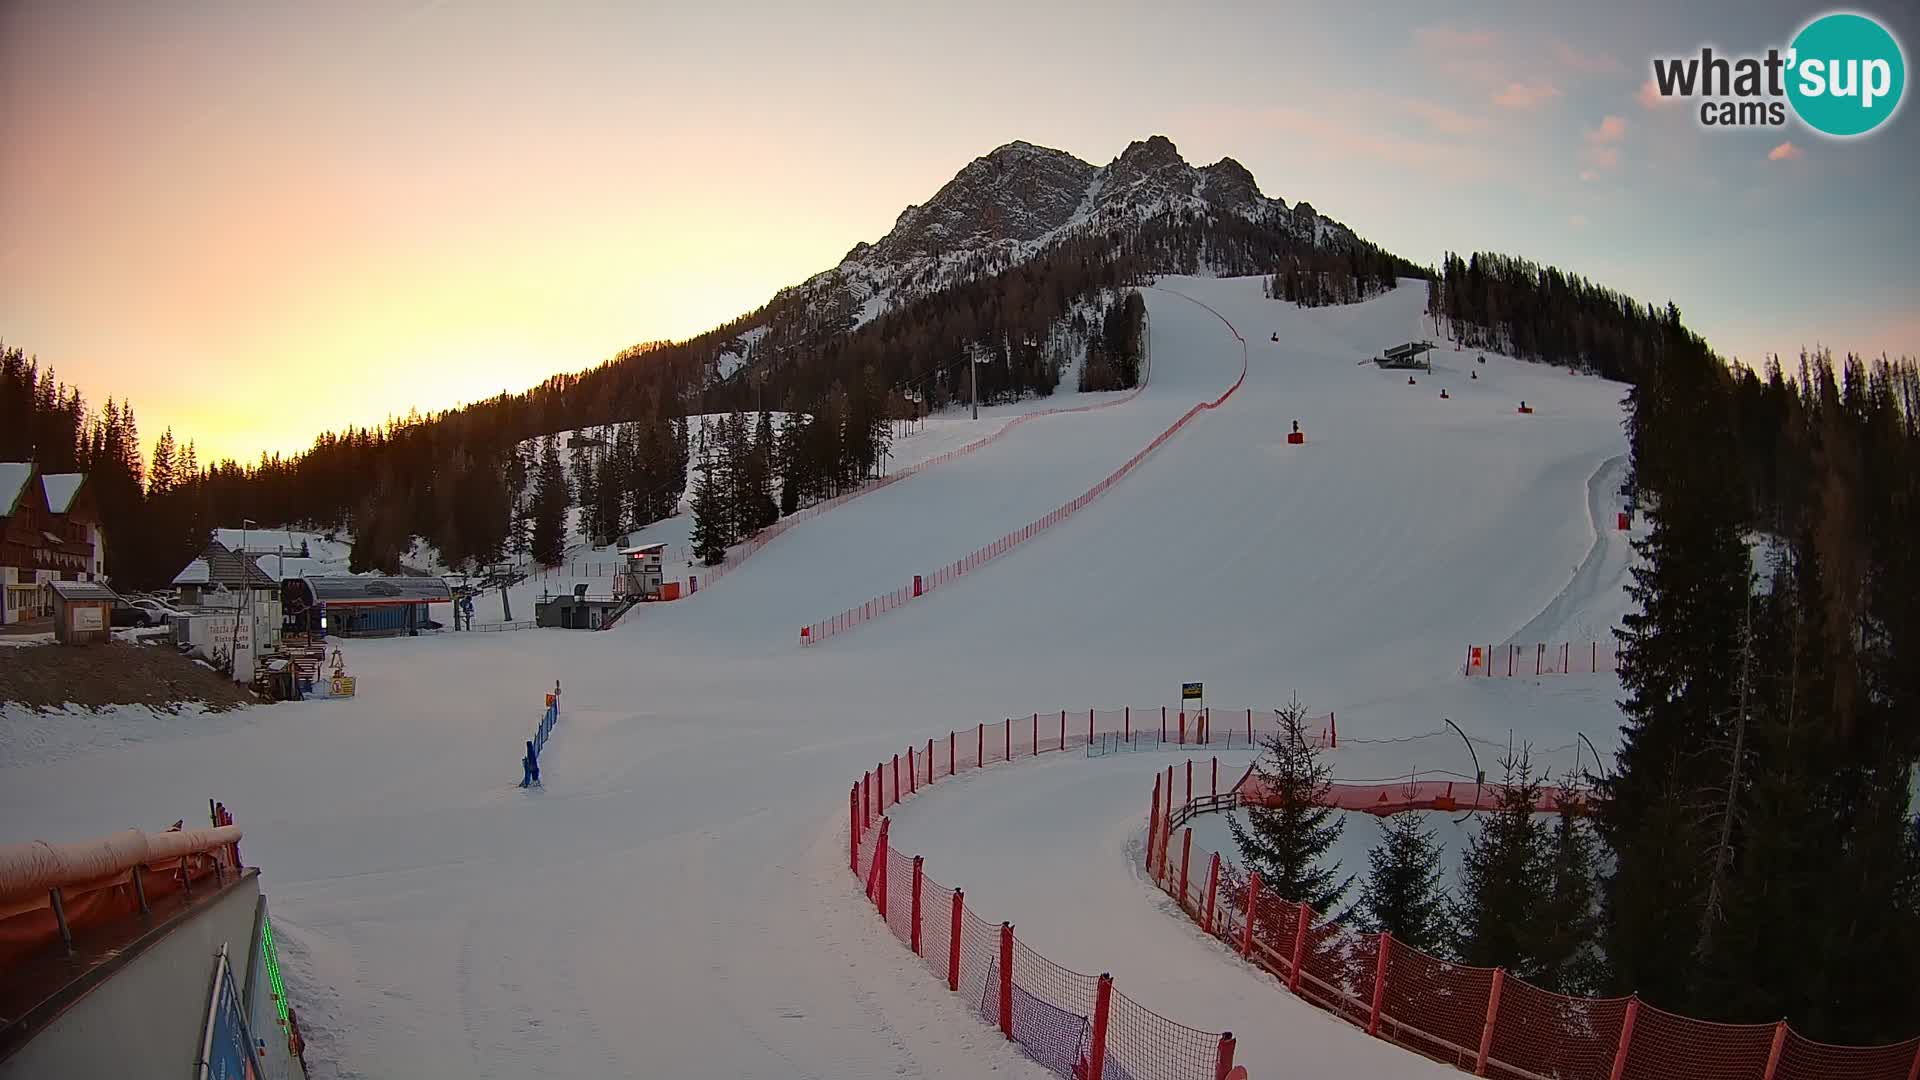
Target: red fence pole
[(885, 859), (1214, 789), (1189, 781), (1213, 888), (876, 874), (1493, 1012), (929, 761), (896, 779), (1595, 665), (1089, 727), (1183, 727), (1914, 1073), (853, 828), (1249, 727), (1773, 1055), (1333, 730), (1302, 918), (916, 904), (1006, 979), (1381, 953), (1253, 900), (1126, 723), (913, 774), (1163, 723), (1186, 855), (1063, 729), (1153, 822), (1626, 1039), (1009, 734), (953, 940), (980, 755), (951, 766), (1036, 734), (1097, 1044), (1223, 1061)]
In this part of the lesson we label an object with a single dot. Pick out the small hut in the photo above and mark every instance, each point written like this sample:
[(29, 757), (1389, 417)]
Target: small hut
[(82, 612)]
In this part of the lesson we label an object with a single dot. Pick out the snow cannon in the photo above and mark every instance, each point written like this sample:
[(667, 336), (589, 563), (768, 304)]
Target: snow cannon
[(1483, 358), (1475, 374), (1526, 409), (1296, 437), (1443, 394), (1276, 336), (1410, 380)]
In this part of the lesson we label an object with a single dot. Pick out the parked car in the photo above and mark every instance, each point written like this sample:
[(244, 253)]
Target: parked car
[(157, 611)]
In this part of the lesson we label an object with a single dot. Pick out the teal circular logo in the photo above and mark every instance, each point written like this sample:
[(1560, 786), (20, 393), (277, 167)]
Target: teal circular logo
[(1845, 74)]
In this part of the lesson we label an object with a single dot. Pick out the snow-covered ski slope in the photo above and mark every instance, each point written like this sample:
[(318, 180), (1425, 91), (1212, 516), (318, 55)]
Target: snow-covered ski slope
[(675, 902)]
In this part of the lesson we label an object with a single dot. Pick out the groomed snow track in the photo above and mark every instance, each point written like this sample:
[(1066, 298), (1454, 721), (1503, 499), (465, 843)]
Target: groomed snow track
[(675, 899)]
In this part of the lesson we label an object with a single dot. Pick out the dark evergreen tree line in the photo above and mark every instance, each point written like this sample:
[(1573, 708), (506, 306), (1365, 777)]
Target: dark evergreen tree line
[(1116, 344), (1760, 809), (1518, 307)]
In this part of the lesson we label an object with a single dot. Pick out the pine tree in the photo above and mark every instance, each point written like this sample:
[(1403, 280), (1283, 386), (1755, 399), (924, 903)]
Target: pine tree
[(1568, 927), (1403, 894), (1503, 877), (609, 514), (1680, 662), (1286, 841), (549, 539), (586, 495), (709, 538)]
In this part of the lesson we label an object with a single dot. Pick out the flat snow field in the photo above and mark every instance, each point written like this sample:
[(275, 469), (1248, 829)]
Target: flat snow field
[(674, 902)]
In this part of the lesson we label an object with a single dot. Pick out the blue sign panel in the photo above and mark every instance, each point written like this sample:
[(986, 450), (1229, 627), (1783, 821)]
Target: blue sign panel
[(228, 1049)]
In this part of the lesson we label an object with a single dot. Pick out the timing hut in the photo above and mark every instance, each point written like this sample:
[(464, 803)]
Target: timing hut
[(1411, 355), (642, 570)]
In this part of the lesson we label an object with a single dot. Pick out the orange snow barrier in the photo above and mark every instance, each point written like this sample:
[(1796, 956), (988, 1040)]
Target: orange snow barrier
[(102, 880), (1486, 1021)]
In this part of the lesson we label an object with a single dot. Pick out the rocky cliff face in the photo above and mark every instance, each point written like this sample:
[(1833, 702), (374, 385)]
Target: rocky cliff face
[(1012, 204)]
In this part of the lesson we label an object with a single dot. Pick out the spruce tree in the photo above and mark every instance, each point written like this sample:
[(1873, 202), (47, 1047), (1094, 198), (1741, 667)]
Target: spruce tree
[(1403, 894), (1680, 663), (709, 538), (1568, 925), (1503, 878), (1286, 841), (549, 539)]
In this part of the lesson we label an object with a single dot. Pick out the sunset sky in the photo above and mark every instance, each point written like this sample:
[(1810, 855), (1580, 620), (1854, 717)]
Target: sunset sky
[(258, 221)]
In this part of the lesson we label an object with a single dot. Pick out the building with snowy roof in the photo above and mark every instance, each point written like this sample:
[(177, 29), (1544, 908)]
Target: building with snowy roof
[(49, 531)]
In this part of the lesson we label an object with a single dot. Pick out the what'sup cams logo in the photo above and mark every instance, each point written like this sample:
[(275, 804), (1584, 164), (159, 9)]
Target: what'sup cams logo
[(1843, 75)]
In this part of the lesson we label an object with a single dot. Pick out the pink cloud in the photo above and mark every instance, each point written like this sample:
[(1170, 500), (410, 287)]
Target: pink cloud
[(1611, 130), (1526, 95), (1445, 119), (1349, 138), (1603, 145), (1573, 59), (1650, 97), (1786, 151)]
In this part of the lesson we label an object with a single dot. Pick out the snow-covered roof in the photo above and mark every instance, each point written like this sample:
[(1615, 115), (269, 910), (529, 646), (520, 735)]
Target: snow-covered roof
[(61, 488), (282, 567), (196, 572), (259, 541), (13, 478), (82, 590), (349, 591)]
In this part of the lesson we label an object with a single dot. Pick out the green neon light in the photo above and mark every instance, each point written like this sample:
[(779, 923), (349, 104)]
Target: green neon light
[(273, 969)]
